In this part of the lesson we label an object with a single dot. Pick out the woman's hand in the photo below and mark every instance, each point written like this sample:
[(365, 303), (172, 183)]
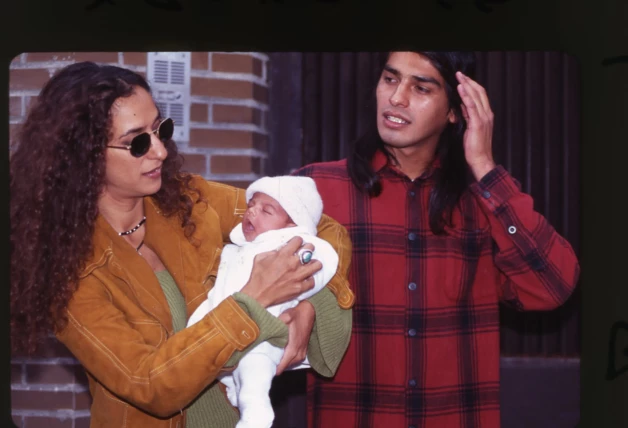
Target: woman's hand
[(300, 321), (279, 276)]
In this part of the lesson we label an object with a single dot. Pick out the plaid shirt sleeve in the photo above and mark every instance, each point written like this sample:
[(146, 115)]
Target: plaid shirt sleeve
[(539, 268)]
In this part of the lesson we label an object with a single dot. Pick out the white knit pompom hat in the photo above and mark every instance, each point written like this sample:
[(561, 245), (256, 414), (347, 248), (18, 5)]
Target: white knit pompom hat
[(297, 195)]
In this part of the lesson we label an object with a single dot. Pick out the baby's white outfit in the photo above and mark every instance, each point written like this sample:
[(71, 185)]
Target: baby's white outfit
[(249, 384)]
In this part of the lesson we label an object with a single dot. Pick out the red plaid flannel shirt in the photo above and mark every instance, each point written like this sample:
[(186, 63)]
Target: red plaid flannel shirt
[(424, 352)]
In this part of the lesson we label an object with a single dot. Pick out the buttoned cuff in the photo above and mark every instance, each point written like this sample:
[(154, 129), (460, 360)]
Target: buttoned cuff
[(495, 188), (272, 329)]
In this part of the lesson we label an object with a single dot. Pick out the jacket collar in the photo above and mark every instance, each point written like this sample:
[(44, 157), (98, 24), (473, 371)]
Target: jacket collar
[(125, 263)]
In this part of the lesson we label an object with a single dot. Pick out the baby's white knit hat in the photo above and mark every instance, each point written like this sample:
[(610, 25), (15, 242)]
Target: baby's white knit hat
[(297, 195)]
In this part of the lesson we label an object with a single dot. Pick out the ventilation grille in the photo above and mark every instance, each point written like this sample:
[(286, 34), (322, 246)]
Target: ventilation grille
[(169, 76)]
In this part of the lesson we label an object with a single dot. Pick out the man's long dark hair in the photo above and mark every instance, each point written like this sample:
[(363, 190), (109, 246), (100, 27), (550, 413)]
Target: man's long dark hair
[(451, 179)]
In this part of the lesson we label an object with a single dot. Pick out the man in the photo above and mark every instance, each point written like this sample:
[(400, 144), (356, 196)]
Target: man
[(441, 235)]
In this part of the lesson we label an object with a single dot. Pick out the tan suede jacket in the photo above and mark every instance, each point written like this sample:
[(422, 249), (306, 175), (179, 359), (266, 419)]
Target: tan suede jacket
[(119, 327)]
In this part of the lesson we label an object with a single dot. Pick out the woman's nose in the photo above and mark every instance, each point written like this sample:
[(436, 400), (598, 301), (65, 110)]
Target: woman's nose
[(158, 148)]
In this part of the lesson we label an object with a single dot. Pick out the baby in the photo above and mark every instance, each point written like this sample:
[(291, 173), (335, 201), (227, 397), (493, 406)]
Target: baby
[(279, 208)]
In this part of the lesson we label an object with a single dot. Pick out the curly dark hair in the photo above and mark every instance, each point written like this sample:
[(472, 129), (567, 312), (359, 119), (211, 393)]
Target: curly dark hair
[(56, 176)]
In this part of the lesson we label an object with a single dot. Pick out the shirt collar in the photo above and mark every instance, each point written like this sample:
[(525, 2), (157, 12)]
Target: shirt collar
[(380, 162)]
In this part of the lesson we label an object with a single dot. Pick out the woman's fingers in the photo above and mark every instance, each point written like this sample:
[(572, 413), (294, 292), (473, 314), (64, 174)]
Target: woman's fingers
[(307, 284), (309, 269), (279, 276)]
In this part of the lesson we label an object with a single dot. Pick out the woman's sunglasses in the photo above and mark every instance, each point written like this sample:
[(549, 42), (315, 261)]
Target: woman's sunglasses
[(141, 143)]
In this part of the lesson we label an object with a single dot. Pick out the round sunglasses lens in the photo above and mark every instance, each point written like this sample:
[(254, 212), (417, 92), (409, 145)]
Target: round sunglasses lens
[(140, 145), (166, 129)]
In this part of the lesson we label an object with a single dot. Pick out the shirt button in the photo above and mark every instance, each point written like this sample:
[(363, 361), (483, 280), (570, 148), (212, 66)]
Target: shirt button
[(512, 230), (411, 193), (412, 332), (412, 383), (411, 426), (412, 236), (486, 194), (412, 286)]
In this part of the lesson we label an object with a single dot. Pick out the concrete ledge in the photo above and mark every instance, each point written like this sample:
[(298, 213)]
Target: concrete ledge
[(540, 392)]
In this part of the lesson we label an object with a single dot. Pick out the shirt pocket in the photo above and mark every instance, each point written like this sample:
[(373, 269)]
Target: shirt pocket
[(466, 271)]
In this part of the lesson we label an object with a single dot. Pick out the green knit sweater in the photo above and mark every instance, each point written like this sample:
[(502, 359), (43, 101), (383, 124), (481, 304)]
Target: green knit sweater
[(329, 339)]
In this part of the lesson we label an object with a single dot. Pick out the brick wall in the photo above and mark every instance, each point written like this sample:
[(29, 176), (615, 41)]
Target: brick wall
[(229, 105), (228, 142)]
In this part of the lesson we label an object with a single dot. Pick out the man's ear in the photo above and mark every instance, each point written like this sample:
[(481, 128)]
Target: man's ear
[(451, 116)]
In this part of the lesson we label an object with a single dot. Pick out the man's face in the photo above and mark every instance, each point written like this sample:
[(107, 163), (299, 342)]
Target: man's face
[(412, 105), (263, 214)]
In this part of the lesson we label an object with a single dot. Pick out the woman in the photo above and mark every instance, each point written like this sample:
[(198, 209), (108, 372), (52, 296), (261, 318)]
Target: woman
[(112, 248)]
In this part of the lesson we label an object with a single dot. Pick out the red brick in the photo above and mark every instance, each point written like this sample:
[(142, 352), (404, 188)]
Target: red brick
[(100, 57), (41, 400), (234, 165), (236, 114), (28, 101), (96, 56), (83, 400), (221, 88), (49, 56), (15, 106), (195, 163), (48, 422), (52, 348), (16, 373), (135, 58), (200, 60), (81, 422), (28, 79), (260, 93), (199, 112), (236, 63), (50, 373), (209, 138), (257, 67)]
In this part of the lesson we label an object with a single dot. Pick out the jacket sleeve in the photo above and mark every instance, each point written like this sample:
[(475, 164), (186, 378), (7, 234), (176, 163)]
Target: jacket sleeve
[(338, 237), (332, 327), (160, 379), (538, 267), (228, 201)]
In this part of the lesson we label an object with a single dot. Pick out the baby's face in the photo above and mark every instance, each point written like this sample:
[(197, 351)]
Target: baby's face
[(263, 214)]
